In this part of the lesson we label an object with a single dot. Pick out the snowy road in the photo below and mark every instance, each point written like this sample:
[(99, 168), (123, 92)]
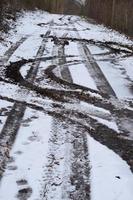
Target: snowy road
[(66, 107)]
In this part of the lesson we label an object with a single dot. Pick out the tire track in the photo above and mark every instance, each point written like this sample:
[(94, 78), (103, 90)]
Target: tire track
[(54, 177), (73, 181), (10, 52), (13, 122), (95, 71), (104, 86), (65, 73), (93, 68), (79, 155), (66, 175), (13, 48)]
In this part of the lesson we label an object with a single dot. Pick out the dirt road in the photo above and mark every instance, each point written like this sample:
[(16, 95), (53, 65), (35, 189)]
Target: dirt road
[(57, 98)]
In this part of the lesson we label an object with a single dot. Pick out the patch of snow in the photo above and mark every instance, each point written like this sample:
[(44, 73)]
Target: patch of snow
[(24, 70), (27, 50), (111, 177), (127, 64), (92, 94), (116, 79), (101, 33), (111, 124), (81, 76), (29, 156), (88, 106)]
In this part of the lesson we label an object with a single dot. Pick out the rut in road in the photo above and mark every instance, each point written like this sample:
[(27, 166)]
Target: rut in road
[(9, 53), (66, 147), (13, 122), (67, 95), (102, 83)]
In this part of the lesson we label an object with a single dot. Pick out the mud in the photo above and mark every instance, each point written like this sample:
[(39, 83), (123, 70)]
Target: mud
[(70, 126), (113, 140), (113, 46), (24, 194), (22, 182), (122, 146), (12, 124)]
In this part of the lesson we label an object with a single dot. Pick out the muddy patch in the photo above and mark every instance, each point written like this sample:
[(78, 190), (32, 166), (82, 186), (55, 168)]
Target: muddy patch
[(24, 194), (22, 182)]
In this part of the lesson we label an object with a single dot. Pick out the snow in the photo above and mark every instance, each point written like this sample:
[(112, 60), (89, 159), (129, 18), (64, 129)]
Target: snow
[(127, 65), (116, 79), (81, 76), (88, 109), (111, 177), (118, 71), (101, 33), (29, 155), (110, 124), (24, 70), (99, 110), (28, 46)]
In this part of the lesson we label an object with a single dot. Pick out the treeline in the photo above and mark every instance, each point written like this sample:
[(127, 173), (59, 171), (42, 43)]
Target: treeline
[(10, 8), (8, 11), (53, 6), (117, 14), (114, 13)]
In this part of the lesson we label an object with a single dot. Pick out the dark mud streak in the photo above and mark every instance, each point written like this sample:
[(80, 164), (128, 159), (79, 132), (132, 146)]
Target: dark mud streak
[(70, 92), (78, 158), (53, 178), (25, 193), (122, 146), (104, 86), (13, 122), (65, 82), (94, 70), (106, 136), (13, 48), (79, 164), (96, 73), (120, 48), (65, 73), (102, 83), (9, 53), (14, 77), (3, 135)]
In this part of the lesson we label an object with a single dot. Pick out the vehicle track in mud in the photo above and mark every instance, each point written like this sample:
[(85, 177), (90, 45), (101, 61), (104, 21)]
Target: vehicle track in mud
[(13, 122), (77, 156), (102, 83), (63, 116)]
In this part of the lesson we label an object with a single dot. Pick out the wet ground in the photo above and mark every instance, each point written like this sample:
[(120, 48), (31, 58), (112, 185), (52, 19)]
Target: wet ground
[(54, 94)]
